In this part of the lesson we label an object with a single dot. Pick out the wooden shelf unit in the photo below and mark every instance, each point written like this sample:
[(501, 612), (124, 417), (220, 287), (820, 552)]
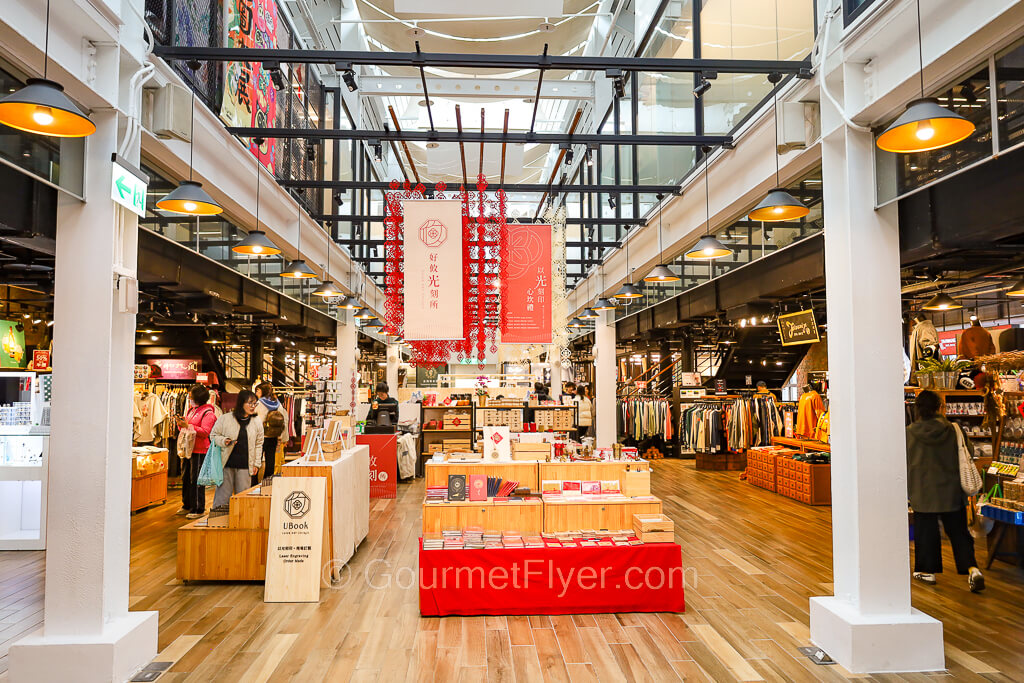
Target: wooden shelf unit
[(525, 516), (524, 472), (571, 515), (432, 436)]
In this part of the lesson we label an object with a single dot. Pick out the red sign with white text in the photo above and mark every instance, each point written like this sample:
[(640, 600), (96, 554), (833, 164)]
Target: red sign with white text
[(383, 464), (173, 368), (526, 285), (41, 360)]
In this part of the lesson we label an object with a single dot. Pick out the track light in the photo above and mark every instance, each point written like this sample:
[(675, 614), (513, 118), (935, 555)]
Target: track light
[(349, 76), (378, 151), (276, 77), (703, 85), (611, 201), (311, 153), (590, 157), (568, 155)]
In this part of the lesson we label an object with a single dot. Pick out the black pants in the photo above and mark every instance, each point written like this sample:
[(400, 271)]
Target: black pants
[(193, 496), (928, 542), (269, 455)]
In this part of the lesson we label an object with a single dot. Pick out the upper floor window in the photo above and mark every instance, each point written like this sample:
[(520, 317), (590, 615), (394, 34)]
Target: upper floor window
[(854, 8)]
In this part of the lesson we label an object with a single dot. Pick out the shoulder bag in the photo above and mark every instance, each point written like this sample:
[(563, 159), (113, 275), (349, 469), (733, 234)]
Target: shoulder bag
[(970, 478)]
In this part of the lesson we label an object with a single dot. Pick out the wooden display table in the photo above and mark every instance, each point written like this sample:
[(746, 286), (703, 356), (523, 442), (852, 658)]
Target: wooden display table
[(525, 516), (803, 481), (523, 472), (802, 445), (235, 552), (587, 471), (575, 514)]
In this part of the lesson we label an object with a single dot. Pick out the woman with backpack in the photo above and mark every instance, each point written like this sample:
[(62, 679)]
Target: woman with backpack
[(275, 426), (239, 434), (199, 419)]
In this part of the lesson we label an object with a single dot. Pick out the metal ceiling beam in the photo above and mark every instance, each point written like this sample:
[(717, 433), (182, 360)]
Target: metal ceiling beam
[(465, 88), (482, 137), (509, 189), (347, 58), (347, 217)]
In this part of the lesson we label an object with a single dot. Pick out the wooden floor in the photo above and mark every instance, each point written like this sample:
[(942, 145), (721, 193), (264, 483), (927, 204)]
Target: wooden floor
[(753, 561)]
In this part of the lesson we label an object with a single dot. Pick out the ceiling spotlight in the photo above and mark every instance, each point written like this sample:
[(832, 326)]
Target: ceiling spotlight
[(36, 321), (743, 322), (378, 151), (569, 155), (766, 319), (349, 76), (276, 77), (277, 340), (703, 85), (973, 318), (49, 323), (339, 199), (753, 321), (154, 337), (941, 302), (292, 343), (590, 157), (611, 201)]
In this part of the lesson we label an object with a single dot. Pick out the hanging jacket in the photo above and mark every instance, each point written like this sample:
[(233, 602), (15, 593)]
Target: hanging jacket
[(923, 336), (809, 410), (975, 341)]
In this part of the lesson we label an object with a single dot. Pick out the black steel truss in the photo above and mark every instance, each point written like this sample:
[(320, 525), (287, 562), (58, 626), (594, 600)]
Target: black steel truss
[(345, 185), (477, 136), (345, 59)]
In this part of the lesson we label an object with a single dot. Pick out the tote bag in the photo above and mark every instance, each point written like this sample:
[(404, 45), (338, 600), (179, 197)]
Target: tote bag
[(212, 472), (970, 478)]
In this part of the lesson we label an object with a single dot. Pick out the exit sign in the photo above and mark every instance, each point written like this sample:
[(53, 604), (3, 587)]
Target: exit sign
[(128, 187)]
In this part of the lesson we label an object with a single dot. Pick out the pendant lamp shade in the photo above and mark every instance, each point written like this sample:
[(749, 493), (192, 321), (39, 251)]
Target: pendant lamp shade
[(42, 107), (924, 126), (628, 291), (364, 313), (191, 199), (1017, 290), (661, 273), (298, 269), (589, 314), (349, 304), (941, 302), (778, 205), (576, 323), (373, 323), (707, 248), (256, 243), (604, 304), (326, 290)]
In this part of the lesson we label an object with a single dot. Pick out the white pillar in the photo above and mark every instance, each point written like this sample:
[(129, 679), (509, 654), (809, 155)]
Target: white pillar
[(555, 361), (348, 362), (868, 625), (391, 371), (604, 380), (88, 633)]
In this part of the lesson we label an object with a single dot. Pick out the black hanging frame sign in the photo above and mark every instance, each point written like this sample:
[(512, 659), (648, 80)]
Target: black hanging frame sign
[(798, 328)]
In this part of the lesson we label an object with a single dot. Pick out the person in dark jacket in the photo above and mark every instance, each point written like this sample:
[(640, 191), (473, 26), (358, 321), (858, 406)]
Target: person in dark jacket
[(933, 486)]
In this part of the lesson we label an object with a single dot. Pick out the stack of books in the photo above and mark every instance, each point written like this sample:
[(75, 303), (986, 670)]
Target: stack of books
[(437, 494), (533, 542), (511, 539), (492, 539), (432, 542), (473, 538)]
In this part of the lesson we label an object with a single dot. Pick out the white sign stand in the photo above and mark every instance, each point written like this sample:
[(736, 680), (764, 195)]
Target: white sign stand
[(297, 538)]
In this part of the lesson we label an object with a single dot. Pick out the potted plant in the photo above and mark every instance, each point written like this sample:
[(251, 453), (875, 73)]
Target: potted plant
[(944, 372), (481, 390)]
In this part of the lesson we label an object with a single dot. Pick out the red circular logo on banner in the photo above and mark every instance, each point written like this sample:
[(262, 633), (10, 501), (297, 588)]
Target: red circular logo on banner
[(433, 233)]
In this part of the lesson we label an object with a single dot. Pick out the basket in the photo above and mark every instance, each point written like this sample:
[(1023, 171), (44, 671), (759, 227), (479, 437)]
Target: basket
[(652, 522)]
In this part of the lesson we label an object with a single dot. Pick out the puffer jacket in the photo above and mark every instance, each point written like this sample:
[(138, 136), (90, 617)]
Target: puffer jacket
[(202, 420), (227, 427)]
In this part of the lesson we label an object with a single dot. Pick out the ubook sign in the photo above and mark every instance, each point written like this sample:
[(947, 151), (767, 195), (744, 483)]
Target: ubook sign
[(296, 540)]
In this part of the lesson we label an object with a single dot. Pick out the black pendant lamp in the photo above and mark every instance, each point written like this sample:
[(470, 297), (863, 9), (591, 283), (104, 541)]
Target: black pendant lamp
[(778, 204), (576, 323), (297, 269), (256, 243), (189, 197), (628, 291), (708, 247), (924, 125), (604, 303), (661, 272), (374, 322), (42, 107), (364, 313), (589, 313), (941, 302), (327, 288)]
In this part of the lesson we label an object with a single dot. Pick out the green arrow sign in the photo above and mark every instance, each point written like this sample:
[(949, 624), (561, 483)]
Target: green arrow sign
[(128, 190)]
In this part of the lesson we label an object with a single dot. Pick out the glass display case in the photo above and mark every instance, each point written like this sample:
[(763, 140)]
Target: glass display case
[(24, 452)]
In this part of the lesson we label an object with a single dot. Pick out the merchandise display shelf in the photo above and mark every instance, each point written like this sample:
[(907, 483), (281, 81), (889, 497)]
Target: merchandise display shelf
[(580, 513), (23, 491), (525, 516), (230, 547), (524, 472)]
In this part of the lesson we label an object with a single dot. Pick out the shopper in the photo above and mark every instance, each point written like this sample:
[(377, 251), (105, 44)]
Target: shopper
[(584, 411), (933, 485), (240, 437), (202, 418), (275, 425)]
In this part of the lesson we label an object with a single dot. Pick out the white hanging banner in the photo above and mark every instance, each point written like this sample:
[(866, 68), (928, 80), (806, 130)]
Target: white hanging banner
[(433, 269)]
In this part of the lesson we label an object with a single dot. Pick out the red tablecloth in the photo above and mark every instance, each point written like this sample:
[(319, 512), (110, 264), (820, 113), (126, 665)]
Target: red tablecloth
[(641, 578)]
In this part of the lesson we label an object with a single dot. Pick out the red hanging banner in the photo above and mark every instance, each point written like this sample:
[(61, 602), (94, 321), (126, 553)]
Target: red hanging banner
[(526, 284)]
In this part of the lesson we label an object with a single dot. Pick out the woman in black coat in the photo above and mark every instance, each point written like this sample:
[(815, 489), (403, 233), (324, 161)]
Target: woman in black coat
[(933, 486)]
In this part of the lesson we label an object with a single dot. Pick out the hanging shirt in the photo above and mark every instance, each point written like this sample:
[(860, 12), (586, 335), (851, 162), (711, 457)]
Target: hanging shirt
[(809, 410), (148, 413)]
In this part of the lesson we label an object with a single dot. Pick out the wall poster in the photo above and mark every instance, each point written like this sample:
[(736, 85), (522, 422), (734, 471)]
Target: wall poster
[(250, 99), (526, 285), (433, 269)]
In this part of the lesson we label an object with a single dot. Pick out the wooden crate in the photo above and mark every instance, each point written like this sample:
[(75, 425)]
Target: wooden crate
[(221, 554), (656, 536), (524, 472), (457, 421), (530, 451), (572, 515), (526, 516), (652, 523)]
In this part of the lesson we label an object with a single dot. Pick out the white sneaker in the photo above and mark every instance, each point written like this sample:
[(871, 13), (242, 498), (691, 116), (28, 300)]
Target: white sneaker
[(975, 580), (925, 578), (193, 515)]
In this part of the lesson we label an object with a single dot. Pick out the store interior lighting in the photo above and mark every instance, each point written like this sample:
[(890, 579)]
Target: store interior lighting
[(941, 302), (778, 205)]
